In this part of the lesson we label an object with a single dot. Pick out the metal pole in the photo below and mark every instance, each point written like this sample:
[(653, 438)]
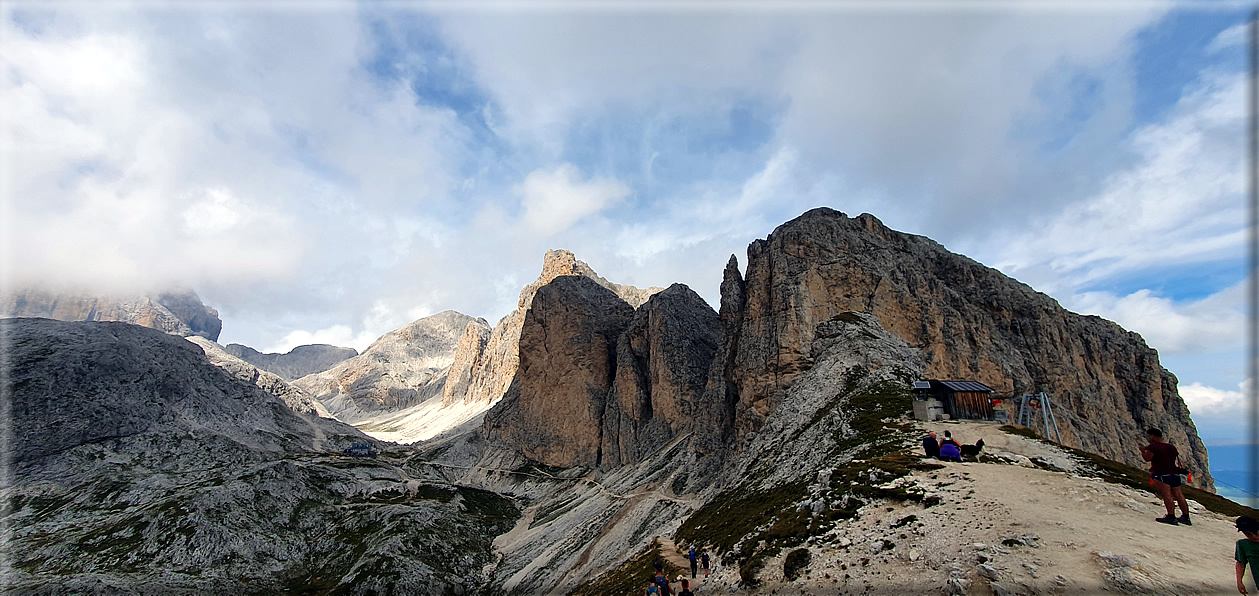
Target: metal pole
[(1044, 413), (1053, 419)]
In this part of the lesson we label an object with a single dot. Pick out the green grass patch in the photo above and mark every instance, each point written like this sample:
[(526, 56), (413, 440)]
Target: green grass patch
[(754, 525), (630, 577)]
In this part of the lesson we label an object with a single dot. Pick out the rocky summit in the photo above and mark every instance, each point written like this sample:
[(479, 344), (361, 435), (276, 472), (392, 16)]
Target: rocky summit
[(403, 368), (598, 428), (966, 320)]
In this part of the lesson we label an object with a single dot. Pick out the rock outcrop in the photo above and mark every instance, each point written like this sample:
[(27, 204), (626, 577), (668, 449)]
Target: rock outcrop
[(968, 321), (178, 313), (468, 357), (500, 357), (600, 384), (553, 413), (403, 368), (662, 361), (297, 363)]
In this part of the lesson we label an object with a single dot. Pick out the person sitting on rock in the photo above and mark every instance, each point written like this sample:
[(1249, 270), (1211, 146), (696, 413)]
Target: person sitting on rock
[(930, 445), (948, 438), (950, 452)]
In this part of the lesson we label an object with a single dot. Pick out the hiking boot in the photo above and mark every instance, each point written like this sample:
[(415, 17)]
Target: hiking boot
[(1184, 520), (1167, 519)]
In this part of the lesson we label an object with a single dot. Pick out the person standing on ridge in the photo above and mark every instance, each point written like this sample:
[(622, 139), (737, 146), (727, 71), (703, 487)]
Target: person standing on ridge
[(703, 559), (693, 557), (1247, 552), (1165, 475)]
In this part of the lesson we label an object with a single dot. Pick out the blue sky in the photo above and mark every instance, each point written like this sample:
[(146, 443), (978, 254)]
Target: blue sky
[(327, 174)]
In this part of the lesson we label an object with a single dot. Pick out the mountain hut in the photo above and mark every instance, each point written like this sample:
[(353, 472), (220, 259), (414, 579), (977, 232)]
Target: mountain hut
[(963, 400)]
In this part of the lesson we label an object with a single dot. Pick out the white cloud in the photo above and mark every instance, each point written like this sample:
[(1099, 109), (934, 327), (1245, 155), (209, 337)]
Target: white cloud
[(1210, 323), (1235, 36), (1181, 203), (556, 199), (1204, 401), (378, 320), (218, 212)]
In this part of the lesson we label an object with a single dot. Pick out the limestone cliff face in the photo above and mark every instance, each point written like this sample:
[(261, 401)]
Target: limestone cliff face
[(401, 369), (468, 356), (178, 313), (662, 361), (500, 358), (600, 384), (554, 412), (296, 363), (968, 321)]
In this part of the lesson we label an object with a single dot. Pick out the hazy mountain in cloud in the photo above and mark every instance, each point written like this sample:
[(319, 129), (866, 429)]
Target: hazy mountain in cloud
[(297, 363), (175, 312)]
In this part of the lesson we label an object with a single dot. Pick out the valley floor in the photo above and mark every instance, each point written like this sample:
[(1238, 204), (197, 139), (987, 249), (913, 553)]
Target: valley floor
[(1010, 529)]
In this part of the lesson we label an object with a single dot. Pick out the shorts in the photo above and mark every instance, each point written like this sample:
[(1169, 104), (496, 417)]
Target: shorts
[(1172, 480)]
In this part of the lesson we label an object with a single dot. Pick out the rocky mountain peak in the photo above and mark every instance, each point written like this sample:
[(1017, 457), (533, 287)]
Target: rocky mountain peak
[(968, 321), (499, 357), (602, 384), (557, 263), (399, 370)]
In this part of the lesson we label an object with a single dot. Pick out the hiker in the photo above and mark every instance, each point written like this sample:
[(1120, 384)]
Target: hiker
[(662, 582), (703, 559), (686, 589), (1247, 552), (948, 438), (694, 558), (658, 566), (652, 588), (950, 452), (931, 445), (1165, 475)]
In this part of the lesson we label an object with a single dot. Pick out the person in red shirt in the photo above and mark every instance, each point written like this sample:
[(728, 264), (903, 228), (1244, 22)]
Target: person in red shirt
[(1164, 471)]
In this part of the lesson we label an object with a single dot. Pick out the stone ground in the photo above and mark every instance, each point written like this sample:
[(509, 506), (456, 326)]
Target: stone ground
[(1003, 528)]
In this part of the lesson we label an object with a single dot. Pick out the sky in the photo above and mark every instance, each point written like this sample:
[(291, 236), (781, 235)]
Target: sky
[(326, 172)]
